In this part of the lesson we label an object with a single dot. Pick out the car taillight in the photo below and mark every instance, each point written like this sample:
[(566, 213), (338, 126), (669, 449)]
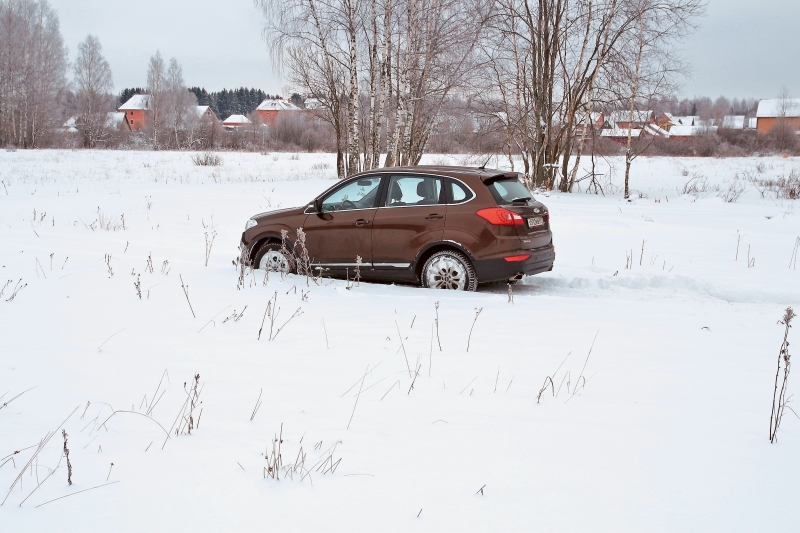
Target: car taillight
[(515, 258), (500, 217)]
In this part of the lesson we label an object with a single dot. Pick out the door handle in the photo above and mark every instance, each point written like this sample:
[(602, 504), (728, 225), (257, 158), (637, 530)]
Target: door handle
[(362, 222), (434, 216)]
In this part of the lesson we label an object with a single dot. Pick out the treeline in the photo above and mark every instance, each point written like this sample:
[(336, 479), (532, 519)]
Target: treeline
[(224, 103)]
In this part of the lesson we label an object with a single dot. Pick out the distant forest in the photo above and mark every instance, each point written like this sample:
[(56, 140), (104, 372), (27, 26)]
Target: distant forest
[(224, 103)]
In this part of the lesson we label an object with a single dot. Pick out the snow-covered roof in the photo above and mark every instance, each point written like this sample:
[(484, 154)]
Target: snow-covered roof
[(680, 130), (616, 132), (594, 117), (237, 120), (625, 116), (778, 107), (114, 119), (734, 122), (137, 101), (71, 122), (277, 105), (312, 103), (201, 110), (690, 120)]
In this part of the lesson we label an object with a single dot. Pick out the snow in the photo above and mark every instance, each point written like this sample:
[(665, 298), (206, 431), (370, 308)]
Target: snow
[(777, 107), (668, 432), (137, 101), (679, 130), (277, 105), (114, 119)]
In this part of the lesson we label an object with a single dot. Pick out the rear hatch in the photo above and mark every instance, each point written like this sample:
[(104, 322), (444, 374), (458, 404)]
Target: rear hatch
[(511, 194)]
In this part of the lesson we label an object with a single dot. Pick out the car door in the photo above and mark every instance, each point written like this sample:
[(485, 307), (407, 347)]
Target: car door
[(411, 215), (342, 231)]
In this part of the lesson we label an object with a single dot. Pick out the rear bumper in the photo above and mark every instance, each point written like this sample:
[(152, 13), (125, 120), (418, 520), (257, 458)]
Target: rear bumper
[(491, 270)]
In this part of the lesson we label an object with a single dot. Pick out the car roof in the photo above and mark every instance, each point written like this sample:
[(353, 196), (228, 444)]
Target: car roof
[(464, 173)]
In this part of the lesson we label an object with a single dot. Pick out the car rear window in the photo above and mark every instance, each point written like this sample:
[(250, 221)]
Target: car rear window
[(506, 190)]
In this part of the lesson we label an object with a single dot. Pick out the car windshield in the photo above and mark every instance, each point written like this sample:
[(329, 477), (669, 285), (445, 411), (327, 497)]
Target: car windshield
[(506, 190)]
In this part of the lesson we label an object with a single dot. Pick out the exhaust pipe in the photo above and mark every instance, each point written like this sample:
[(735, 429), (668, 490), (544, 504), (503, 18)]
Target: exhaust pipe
[(516, 277)]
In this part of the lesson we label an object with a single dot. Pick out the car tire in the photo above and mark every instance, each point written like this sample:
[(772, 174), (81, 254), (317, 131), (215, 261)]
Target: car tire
[(449, 269), (269, 257)]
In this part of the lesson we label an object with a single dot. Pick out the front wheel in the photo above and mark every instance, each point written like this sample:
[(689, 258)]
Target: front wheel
[(269, 257), (451, 270)]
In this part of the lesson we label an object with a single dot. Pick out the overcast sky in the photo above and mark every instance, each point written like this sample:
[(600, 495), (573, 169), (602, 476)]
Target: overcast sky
[(744, 48)]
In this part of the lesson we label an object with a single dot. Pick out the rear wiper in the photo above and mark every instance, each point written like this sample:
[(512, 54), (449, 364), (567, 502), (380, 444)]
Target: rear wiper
[(521, 199)]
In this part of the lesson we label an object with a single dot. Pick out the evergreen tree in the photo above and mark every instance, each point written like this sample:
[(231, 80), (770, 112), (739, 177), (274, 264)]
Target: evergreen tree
[(126, 94)]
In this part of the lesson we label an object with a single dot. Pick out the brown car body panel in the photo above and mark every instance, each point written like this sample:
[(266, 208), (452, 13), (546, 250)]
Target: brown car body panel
[(339, 237), (395, 241)]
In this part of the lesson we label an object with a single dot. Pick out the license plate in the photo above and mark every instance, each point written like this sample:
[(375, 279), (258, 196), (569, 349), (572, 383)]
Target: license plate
[(535, 221)]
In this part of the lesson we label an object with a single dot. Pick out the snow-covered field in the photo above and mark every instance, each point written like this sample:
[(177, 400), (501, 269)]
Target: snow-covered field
[(664, 427)]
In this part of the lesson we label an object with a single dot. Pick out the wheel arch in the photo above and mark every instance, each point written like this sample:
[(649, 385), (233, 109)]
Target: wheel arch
[(438, 246), (262, 239)]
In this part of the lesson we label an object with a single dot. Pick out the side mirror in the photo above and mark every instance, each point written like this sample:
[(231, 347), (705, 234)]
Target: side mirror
[(318, 205)]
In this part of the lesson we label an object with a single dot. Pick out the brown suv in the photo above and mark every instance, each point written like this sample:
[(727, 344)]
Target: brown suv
[(447, 227)]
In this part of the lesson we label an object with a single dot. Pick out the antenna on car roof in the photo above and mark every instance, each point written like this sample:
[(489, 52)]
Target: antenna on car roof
[(483, 166)]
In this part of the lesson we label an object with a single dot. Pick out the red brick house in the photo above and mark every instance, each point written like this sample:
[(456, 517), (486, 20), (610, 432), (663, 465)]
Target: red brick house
[(770, 112), (135, 110), (269, 109)]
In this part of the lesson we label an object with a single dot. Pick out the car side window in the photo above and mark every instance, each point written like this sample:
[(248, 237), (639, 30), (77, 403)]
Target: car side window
[(358, 194), (459, 193), (414, 190)]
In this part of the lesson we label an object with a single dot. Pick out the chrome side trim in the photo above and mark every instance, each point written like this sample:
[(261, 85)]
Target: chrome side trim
[(342, 265), (307, 212), (392, 265)]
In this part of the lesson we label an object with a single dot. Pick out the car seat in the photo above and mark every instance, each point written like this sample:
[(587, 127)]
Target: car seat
[(426, 189), (395, 194)]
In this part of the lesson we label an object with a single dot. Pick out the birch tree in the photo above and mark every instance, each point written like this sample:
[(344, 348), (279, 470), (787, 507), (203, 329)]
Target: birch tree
[(553, 60), (93, 86), (33, 65), (157, 89)]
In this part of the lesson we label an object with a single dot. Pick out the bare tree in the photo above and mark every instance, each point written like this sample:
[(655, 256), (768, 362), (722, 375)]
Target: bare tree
[(553, 61), (782, 132), (408, 55), (157, 89), (33, 65), (180, 105), (93, 86)]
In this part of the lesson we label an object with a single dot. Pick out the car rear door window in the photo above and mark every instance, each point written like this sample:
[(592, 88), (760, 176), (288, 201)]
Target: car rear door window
[(406, 191), (358, 194)]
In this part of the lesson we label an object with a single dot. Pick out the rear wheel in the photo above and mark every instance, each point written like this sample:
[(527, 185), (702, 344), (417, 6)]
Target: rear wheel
[(269, 257), (451, 270)]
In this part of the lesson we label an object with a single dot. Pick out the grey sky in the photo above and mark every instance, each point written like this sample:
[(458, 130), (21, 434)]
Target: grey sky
[(218, 42), (744, 48)]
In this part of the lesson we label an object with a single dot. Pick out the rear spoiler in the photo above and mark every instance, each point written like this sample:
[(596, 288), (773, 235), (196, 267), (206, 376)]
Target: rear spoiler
[(489, 178)]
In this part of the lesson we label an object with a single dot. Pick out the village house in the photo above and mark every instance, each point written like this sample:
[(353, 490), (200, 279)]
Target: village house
[(596, 121), (733, 122), (135, 110), (771, 112), (235, 122), (269, 109), (622, 119), (204, 111)]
